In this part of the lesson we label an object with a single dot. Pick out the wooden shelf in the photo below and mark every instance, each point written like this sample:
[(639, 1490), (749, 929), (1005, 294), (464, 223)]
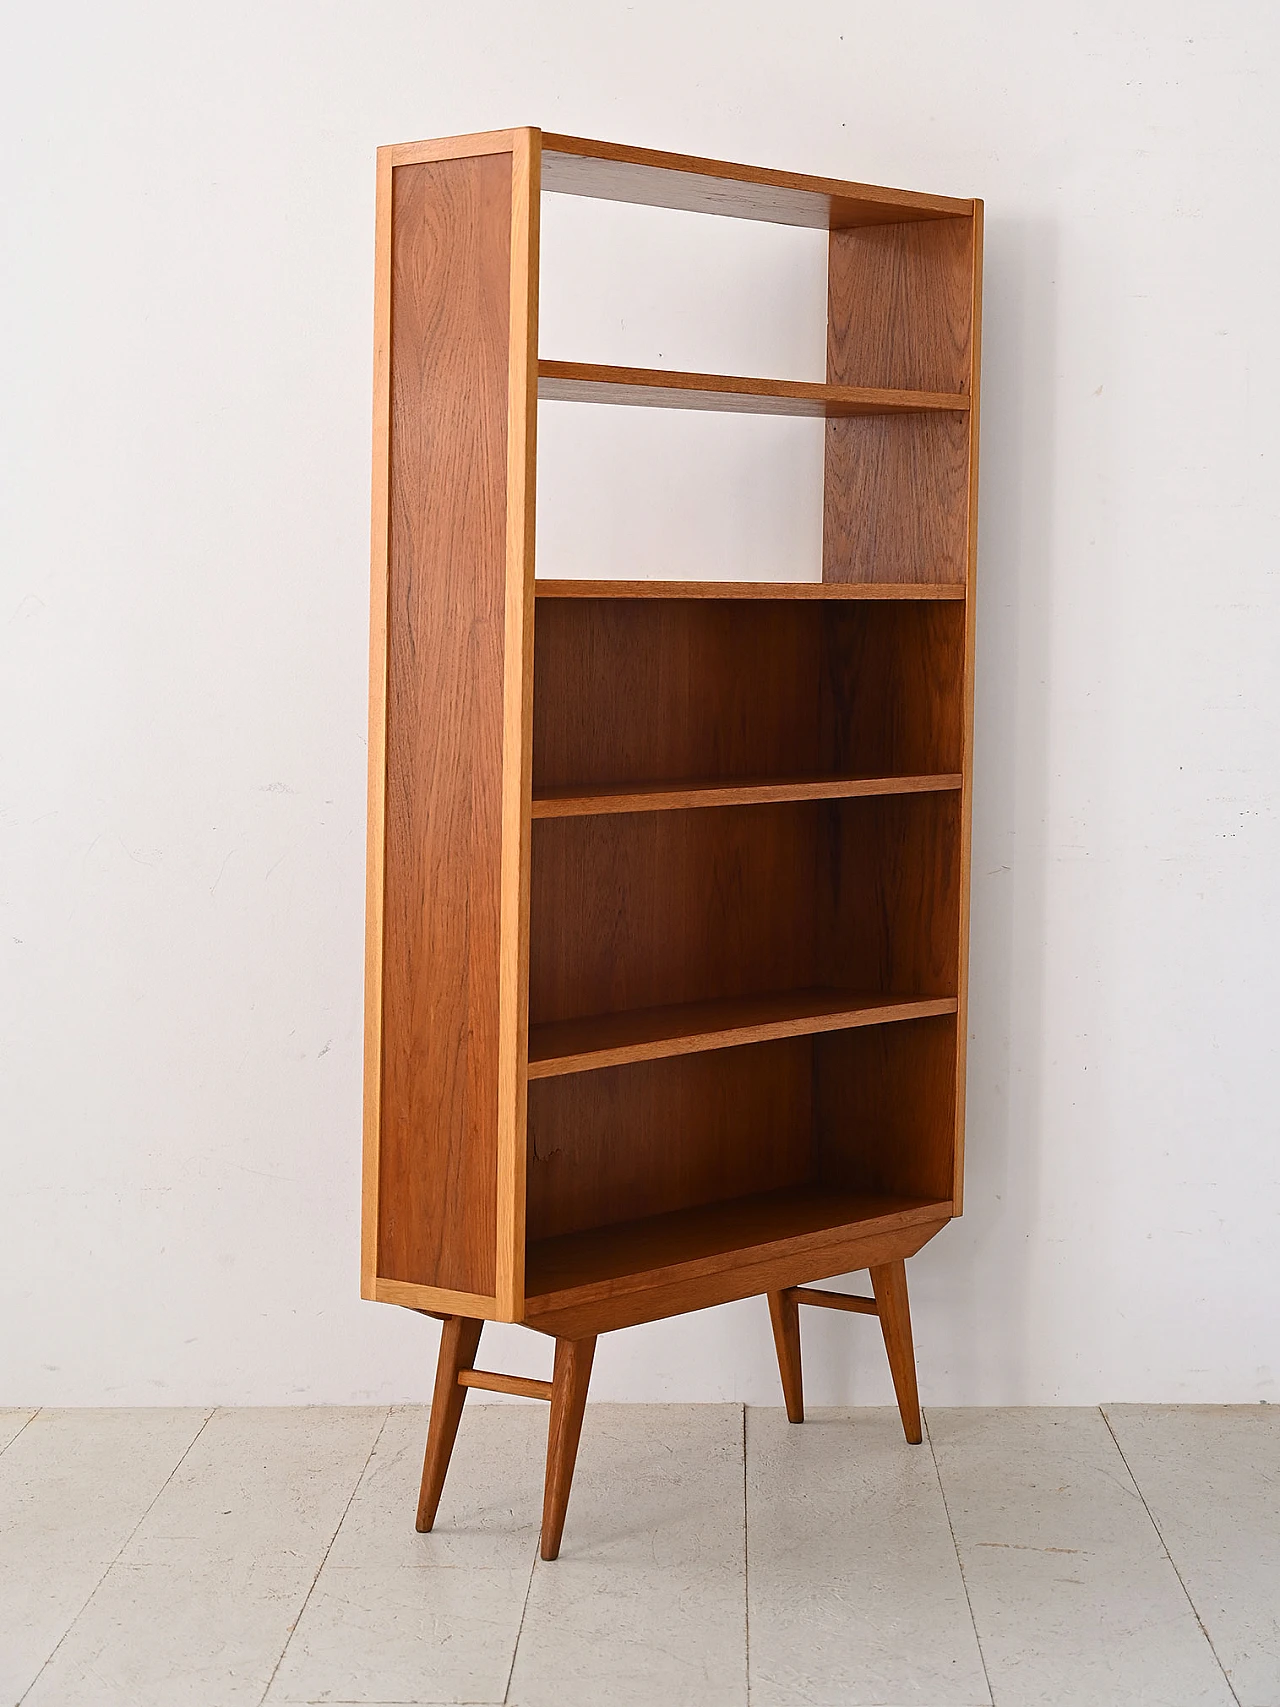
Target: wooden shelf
[(687, 1028), (658, 388), (837, 590), (582, 802), (575, 166), (689, 1244)]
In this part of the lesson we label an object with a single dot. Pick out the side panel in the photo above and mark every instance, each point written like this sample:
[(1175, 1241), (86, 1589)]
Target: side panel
[(449, 746), (904, 307)]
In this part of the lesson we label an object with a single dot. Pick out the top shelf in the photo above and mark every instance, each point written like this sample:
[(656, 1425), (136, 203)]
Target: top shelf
[(663, 388), (575, 166)]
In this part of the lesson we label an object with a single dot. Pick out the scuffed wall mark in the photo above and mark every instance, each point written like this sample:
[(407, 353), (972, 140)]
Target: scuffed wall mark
[(218, 879)]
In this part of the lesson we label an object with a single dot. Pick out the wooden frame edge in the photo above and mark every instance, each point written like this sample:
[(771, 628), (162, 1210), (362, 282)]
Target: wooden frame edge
[(966, 793), (728, 171), (450, 147), (517, 720), (725, 1286), (375, 851), (436, 1299)]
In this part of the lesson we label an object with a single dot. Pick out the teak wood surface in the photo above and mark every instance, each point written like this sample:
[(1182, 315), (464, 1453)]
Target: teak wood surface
[(651, 858)]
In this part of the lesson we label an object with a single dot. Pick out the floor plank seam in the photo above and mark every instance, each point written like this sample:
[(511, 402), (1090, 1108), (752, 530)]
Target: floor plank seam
[(515, 1646), (964, 1581), (746, 1562), (1168, 1555), (355, 1489), (116, 1557), (26, 1425)]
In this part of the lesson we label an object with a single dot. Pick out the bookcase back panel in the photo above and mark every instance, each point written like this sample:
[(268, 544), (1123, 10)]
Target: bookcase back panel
[(642, 1140), (896, 499), (450, 287), (900, 306), (643, 909), (900, 312), (869, 1111), (889, 895), (884, 1108), (637, 691)]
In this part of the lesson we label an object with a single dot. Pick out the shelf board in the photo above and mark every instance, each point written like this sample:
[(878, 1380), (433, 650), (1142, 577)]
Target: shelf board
[(580, 802), (749, 589), (660, 388), (575, 166), (688, 1244), (687, 1028)]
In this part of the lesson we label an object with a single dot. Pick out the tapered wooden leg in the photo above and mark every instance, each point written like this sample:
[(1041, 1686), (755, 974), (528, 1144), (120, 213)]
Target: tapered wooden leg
[(459, 1342), (568, 1401), (889, 1283), (784, 1313)]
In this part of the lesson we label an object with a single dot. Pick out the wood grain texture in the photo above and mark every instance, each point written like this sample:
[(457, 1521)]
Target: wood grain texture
[(517, 719), (433, 1300), (647, 909), (442, 952), (785, 1319), (889, 1282), (891, 689), (682, 1278), (569, 1383), (710, 1236), (899, 312), (821, 590), (579, 802), (889, 894), (519, 1386), (459, 1341), (649, 1034), (723, 972), (465, 147), (885, 1107), (375, 831), (835, 699), (847, 1301), (611, 172), (661, 388), (664, 1135), (896, 503), (650, 909), (899, 306), (966, 803)]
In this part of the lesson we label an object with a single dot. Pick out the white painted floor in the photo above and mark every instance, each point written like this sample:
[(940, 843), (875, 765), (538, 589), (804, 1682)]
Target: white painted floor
[(1026, 1558)]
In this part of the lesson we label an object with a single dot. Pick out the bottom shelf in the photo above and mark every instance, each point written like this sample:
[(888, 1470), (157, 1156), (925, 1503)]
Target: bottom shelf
[(688, 1245)]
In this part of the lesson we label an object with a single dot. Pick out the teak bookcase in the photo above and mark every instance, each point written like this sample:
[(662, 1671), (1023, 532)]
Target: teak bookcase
[(667, 882)]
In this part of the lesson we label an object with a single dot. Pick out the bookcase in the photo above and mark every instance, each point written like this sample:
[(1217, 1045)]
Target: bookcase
[(667, 881)]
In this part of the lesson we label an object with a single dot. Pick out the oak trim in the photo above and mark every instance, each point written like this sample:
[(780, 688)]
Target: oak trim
[(834, 590), (451, 147), (756, 1273), (375, 846), (678, 797), (519, 1386), (832, 1300), (435, 1300), (966, 793), (692, 1028), (517, 738), (667, 388), (609, 171)]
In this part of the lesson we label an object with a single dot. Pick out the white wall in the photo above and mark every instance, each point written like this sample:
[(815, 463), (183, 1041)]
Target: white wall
[(186, 311)]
